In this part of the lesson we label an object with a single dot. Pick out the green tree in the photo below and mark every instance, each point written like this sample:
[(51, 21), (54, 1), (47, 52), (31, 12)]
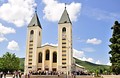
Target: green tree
[(0, 64), (115, 48), (9, 62), (22, 64)]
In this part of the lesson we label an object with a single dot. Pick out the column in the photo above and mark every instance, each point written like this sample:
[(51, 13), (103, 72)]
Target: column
[(43, 60), (50, 67)]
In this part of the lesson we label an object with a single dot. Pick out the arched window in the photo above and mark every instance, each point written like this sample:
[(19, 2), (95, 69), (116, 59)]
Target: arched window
[(31, 35), (63, 33), (31, 32), (47, 54), (54, 57), (64, 29), (40, 57)]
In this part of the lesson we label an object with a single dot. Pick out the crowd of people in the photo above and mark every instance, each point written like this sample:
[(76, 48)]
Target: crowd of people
[(18, 74), (15, 74), (44, 73), (57, 73), (80, 73)]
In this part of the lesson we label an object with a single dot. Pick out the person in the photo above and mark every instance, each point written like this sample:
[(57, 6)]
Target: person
[(58, 74), (22, 75), (4, 75), (13, 75), (1, 74), (16, 74), (19, 74), (28, 75), (75, 73), (93, 74)]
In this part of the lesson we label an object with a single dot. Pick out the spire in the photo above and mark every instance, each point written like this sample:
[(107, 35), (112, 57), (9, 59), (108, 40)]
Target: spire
[(65, 17), (35, 21), (65, 5)]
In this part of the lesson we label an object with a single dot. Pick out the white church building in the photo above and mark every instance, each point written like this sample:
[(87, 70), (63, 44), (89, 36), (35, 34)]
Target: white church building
[(49, 57)]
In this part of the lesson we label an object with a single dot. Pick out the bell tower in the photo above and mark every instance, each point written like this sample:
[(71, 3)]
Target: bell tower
[(65, 53), (34, 38)]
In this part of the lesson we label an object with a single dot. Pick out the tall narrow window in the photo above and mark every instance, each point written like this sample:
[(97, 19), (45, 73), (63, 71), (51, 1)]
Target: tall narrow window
[(31, 35), (39, 33), (40, 57), (54, 57), (31, 32), (64, 29), (47, 54), (64, 33)]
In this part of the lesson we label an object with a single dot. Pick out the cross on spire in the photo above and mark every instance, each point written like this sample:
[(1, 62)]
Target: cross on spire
[(65, 5), (36, 9), (65, 17)]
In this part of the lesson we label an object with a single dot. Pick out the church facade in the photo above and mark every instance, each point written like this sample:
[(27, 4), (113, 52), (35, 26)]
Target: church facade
[(48, 57)]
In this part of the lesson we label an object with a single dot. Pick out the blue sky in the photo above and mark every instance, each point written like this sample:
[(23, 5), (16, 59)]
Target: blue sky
[(91, 20)]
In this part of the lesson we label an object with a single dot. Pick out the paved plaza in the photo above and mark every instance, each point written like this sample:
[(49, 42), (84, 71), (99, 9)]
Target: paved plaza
[(64, 76), (53, 76), (111, 76)]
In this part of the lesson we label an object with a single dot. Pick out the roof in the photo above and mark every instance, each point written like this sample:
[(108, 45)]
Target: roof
[(35, 21), (64, 18), (48, 45)]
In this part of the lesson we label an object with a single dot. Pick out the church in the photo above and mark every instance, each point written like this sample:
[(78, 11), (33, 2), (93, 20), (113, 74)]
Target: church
[(48, 57)]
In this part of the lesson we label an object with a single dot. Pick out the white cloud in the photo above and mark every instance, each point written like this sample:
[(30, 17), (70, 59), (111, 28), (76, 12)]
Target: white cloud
[(98, 62), (54, 9), (6, 30), (2, 38), (78, 54), (88, 49), (49, 44), (13, 45), (94, 41), (17, 12), (87, 59), (109, 63), (81, 56)]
